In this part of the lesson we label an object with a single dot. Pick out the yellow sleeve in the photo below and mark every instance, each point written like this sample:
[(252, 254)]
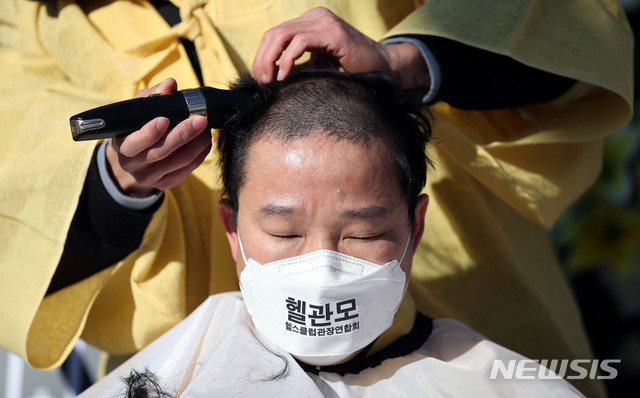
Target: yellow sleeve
[(507, 150), (501, 177), (58, 59), (41, 170)]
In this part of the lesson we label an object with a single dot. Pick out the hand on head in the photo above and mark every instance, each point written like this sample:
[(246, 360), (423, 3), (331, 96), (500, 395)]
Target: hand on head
[(333, 43)]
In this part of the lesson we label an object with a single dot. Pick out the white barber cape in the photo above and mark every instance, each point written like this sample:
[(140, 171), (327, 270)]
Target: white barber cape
[(217, 352)]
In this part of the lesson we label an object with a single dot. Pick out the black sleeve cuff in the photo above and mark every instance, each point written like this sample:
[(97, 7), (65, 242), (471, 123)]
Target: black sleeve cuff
[(476, 79)]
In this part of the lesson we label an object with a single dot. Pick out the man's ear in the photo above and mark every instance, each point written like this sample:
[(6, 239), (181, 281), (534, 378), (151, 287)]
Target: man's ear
[(225, 210), (418, 220)]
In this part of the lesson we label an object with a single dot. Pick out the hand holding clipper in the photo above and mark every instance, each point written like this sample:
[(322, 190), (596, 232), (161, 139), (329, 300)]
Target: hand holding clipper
[(158, 139)]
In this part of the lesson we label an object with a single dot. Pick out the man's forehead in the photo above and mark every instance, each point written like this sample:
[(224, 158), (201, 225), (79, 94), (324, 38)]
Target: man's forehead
[(358, 175), (277, 142), (321, 155)]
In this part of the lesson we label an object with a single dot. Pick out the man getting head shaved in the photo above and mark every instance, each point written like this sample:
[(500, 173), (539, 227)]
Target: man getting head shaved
[(323, 209)]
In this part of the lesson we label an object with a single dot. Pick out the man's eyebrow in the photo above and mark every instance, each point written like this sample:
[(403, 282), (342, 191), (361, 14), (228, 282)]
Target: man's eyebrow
[(276, 210), (366, 213)]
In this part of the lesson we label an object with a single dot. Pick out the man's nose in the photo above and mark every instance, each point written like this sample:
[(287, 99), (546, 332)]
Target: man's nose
[(326, 242)]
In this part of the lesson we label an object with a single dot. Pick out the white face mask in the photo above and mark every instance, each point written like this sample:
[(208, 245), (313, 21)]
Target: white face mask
[(322, 306)]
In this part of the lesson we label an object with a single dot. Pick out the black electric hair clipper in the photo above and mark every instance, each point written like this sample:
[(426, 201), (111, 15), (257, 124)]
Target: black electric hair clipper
[(124, 117)]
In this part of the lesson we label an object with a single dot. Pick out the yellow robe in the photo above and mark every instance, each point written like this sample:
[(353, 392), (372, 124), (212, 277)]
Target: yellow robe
[(501, 177)]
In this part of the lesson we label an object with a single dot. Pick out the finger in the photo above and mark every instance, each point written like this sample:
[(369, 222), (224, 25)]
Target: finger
[(175, 177), (274, 42), (188, 153), (271, 46), (317, 30), (166, 86), (182, 134), (149, 174), (300, 44), (277, 39), (149, 135)]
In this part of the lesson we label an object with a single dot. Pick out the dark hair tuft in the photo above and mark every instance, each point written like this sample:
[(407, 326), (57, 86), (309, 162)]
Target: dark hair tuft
[(354, 107)]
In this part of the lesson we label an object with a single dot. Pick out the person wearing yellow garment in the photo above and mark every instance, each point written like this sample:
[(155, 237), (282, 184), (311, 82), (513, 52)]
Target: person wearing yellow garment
[(503, 174)]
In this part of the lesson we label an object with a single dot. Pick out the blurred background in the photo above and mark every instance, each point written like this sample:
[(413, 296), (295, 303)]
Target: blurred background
[(597, 240)]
